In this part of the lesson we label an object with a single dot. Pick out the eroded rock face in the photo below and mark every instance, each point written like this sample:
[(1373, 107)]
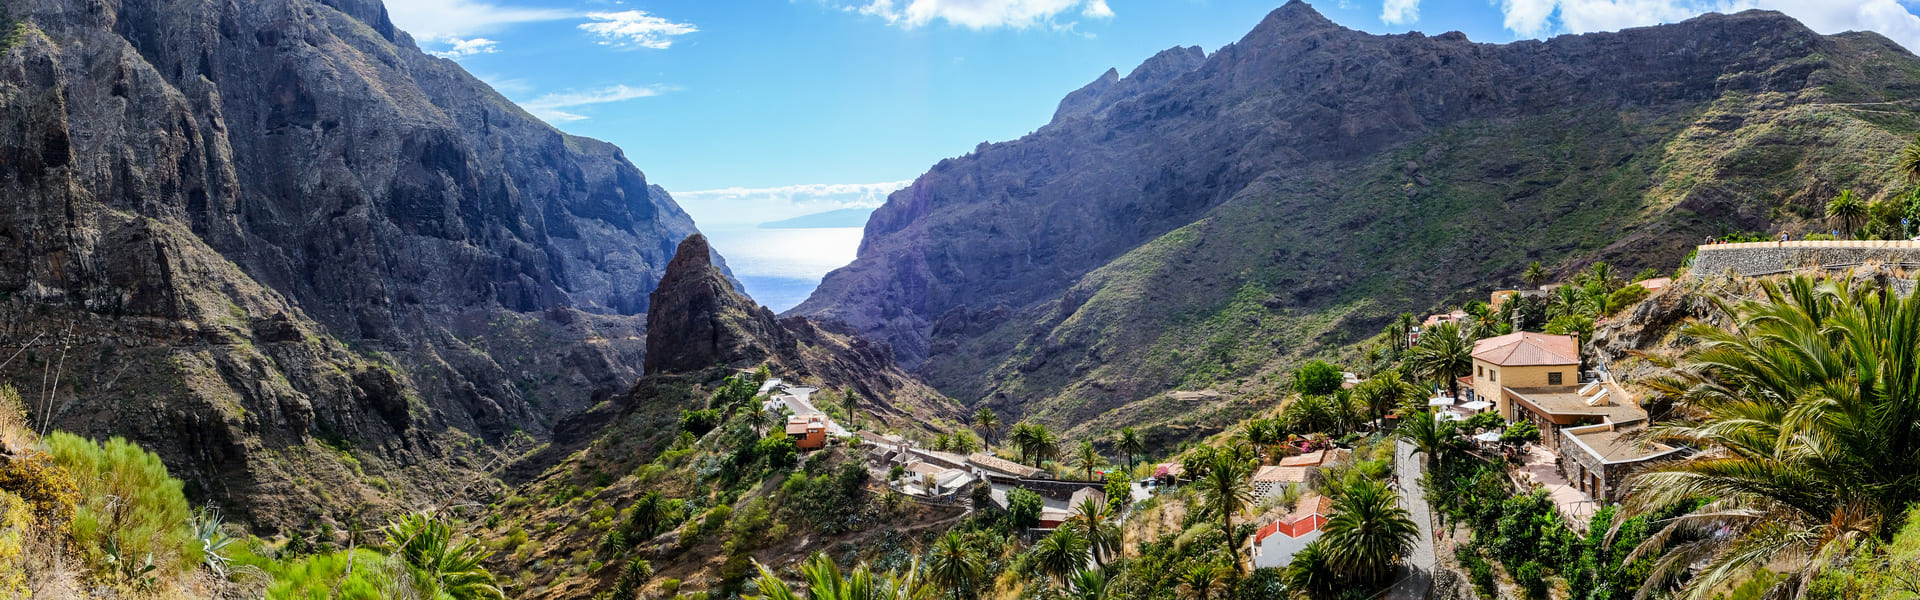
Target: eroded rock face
[(699, 320), (204, 196)]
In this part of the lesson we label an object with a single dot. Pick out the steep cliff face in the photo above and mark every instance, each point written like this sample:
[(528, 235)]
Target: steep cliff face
[(240, 227), (1217, 221)]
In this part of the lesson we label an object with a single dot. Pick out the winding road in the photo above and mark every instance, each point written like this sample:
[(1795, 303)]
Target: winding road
[(1416, 584)]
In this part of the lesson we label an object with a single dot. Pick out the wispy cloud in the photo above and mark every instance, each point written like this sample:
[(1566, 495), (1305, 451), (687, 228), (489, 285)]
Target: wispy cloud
[(635, 28), (742, 206), (1400, 12), (447, 20), (459, 48), (978, 14), (558, 107)]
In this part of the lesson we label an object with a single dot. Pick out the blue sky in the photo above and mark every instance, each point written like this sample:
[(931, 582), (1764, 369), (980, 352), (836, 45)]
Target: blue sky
[(758, 110)]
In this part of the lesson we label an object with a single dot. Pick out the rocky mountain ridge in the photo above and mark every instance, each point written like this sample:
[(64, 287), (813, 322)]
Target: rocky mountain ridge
[(281, 246), (1223, 217)]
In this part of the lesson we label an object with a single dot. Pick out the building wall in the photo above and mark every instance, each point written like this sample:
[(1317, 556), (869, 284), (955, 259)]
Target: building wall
[(1488, 388)]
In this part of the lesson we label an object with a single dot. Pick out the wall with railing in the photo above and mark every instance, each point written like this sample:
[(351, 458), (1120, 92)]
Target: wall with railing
[(1754, 259)]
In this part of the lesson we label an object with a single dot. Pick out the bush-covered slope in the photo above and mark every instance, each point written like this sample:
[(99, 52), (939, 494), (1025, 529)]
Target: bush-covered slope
[(1288, 194)]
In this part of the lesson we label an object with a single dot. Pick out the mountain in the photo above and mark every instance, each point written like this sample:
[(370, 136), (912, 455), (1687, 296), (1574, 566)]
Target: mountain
[(1207, 221), (603, 461), (315, 269)]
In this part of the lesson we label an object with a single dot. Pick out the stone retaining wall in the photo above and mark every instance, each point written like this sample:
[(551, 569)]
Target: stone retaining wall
[(1754, 259)]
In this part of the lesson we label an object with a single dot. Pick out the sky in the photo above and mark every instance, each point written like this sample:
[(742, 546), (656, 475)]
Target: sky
[(758, 110)]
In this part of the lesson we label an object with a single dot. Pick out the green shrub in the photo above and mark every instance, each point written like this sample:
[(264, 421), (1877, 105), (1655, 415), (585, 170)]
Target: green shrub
[(324, 576), (130, 510), (1023, 508), (699, 422), (1625, 297)]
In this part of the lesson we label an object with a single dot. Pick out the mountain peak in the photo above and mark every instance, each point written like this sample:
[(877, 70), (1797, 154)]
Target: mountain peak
[(698, 320), (1296, 16)]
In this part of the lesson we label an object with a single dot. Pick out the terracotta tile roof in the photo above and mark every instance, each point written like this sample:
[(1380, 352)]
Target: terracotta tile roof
[(1277, 474), (1527, 349), (1310, 459), (1000, 465)]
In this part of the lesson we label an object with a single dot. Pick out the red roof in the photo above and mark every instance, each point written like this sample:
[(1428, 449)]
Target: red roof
[(1528, 349)]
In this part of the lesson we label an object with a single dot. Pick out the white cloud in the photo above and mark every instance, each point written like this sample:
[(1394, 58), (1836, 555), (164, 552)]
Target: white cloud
[(1400, 12), (979, 14), (1539, 18), (740, 206), (635, 28), (459, 48), (555, 107), (446, 20)]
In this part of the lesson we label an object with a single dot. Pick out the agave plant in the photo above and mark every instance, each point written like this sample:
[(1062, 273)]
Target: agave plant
[(213, 542)]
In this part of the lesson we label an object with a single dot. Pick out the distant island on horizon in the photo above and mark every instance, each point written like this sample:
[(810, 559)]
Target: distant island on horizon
[(845, 217)]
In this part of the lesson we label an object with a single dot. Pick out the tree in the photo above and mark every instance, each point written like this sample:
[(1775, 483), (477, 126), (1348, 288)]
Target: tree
[(1197, 581), (987, 422), (1023, 508), (1847, 211), (1429, 435), (1087, 584), (1369, 532), (1602, 273), (825, 581), (850, 400), (1910, 161), (1444, 355), (440, 565), (953, 566), (1130, 444), (1317, 378), (1087, 458), (1096, 522), (1060, 554), (1226, 492), (1311, 570), (646, 515), (1404, 324), (1380, 394), (1035, 442), (1534, 275), (1804, 412)]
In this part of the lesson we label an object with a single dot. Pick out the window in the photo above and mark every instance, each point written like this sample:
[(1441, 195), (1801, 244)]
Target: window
[(1479, 371), (1553, 378), (1493, 375)]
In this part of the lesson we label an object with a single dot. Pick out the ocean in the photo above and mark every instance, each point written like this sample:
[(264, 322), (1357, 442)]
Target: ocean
[(781, 267)]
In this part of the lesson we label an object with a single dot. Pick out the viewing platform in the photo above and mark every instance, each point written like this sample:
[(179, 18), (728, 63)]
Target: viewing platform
[(1754, 259)]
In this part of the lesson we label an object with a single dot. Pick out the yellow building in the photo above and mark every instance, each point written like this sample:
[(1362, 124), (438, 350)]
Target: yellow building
[(1522, 360)]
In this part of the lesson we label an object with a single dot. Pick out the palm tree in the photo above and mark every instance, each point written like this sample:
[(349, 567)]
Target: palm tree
[(1379, 394), (1130, 444), (851, 402), (1404, 324), (1088, 584), (1061, 554), (1846, 210), (1444, 355), (1197, 581), (1602, 273), (825, 581), (1910, 161), (1804, 413), (1225, 490), (953, 566), (646, 515), (1429, 435), (1369, 531), (1534, 275), (441, 566), (1311, 570), (987, 422), (1035, 442), (1088, 458), (759, 416), (1096, 522)]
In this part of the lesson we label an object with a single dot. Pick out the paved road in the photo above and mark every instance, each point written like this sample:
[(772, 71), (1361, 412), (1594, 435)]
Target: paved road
[(1414, 585), (799, 400)]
